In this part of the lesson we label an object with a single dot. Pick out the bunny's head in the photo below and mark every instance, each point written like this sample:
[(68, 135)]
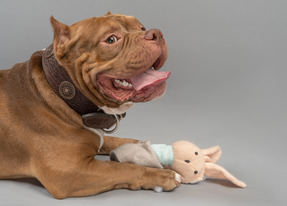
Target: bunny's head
[(194, 164)]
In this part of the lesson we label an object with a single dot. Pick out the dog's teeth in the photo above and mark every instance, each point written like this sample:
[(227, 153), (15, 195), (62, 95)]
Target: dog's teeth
[(126, 84), (123, 82)]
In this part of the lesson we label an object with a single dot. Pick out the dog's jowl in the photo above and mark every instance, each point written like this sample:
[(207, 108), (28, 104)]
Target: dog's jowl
[(56, 107)]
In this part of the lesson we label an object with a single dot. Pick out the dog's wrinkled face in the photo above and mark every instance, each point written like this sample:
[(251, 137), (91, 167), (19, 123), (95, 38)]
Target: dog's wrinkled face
[(113, 57)]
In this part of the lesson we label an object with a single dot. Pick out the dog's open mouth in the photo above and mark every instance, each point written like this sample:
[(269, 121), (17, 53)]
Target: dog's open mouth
[(143, 87)]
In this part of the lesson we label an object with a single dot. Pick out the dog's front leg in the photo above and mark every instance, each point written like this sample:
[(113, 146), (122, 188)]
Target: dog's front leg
[(94, 176), (110, 143)]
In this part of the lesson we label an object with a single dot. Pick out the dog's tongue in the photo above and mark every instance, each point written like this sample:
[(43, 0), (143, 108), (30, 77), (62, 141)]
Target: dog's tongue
[(149, 77)]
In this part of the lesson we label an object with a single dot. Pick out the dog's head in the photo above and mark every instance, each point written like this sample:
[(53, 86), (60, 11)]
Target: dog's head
[(112, 59)]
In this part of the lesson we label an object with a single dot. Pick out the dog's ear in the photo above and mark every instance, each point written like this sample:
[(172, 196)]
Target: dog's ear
[(108, 13), (61, 34)]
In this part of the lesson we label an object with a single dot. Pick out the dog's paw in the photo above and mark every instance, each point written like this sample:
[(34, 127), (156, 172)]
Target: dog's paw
[(178, 179), (158, 189), (161, 179)]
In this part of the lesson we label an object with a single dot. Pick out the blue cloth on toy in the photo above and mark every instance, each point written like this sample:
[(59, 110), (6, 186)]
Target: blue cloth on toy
[(164, 153)]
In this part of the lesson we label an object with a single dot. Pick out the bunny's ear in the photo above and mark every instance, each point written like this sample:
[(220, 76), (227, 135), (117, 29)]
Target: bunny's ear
[(212, 154), (216, 171)]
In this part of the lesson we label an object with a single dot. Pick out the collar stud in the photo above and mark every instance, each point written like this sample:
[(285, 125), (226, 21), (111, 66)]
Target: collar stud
[(67, 90)]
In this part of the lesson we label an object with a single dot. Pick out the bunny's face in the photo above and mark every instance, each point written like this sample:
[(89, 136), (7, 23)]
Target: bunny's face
[(188, 161), (193, 164)]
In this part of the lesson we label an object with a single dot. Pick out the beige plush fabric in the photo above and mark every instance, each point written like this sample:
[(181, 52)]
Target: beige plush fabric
[(140, 154)]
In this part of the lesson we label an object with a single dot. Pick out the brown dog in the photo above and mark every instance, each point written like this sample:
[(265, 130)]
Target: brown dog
[(94, 71)]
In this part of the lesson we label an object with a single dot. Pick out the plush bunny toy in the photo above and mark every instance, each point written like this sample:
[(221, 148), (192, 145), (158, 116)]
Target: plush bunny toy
[(185, 158)]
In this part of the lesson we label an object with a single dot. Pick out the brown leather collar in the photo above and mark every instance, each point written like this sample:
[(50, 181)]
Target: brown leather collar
[(61, 83)]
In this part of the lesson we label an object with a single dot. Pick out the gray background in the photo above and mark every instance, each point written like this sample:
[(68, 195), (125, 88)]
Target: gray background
[(227, 88)]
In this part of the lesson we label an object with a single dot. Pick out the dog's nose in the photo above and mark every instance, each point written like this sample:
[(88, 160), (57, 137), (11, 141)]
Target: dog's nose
[(153, 35)]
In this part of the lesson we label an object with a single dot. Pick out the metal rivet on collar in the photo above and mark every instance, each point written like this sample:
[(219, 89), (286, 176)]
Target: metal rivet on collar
[(67, 90)]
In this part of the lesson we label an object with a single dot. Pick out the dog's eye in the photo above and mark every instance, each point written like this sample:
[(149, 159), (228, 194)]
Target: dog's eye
[(195, 172), (187, 161), (112, 39), (196, 153), (143, 28)]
